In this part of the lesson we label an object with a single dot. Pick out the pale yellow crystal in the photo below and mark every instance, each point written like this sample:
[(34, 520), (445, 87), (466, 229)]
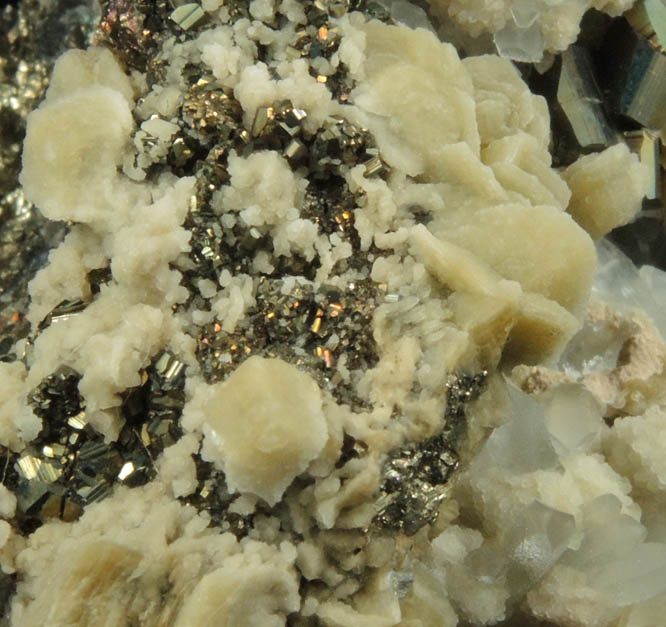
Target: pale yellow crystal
[(243, 592), (607, 189), (86, 589), (541, 248), (264, 425)]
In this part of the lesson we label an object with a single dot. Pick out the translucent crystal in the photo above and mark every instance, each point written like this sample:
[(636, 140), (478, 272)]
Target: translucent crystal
[(525, 12), (609, 534), (614, 555), (573, 418), (520, 44), (636, 577), (619, 283), (536, 540), (595, 348), (410, 15), (521, 445)]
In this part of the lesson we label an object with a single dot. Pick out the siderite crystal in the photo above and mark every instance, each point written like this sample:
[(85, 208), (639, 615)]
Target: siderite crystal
[(264, 425)]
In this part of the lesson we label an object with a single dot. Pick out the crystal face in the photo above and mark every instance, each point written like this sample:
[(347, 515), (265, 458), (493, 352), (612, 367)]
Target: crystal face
[(319, 325)]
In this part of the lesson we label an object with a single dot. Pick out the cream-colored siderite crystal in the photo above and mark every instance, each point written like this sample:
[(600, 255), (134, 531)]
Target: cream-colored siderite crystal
[(75, 140), (493, 309), (504, 103), (90, 588), (496, 269), (434, 106), (541, 248), (245, 591), (541, 330), (263, 426), (80, 69), (607, 189), (71, 151)]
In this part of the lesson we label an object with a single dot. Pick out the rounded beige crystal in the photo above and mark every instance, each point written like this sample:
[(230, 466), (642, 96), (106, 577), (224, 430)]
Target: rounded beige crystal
[(264, 425)]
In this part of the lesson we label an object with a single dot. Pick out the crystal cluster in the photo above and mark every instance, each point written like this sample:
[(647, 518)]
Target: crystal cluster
[(310, 253), (69, 464), (31, 38), (416, 476)]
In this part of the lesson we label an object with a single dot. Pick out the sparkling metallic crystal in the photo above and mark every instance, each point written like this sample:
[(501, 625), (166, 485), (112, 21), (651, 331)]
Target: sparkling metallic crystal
[(580, 100), (415, 476), (212, 496), (317, 327), (636, 79), (312, 329), (135, 30), (70, 465)]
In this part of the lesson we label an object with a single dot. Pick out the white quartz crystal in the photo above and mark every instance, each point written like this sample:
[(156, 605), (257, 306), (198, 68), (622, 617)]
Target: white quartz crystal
[(263, 425)]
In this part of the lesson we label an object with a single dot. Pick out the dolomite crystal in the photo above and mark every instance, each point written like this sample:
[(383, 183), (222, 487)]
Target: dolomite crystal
[(267, 378), (264, 424)]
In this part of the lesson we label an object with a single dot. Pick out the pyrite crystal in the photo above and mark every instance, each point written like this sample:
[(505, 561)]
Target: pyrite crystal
[(580, 100)]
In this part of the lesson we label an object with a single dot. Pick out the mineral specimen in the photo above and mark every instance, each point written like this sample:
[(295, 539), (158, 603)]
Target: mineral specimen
[(309, 253)]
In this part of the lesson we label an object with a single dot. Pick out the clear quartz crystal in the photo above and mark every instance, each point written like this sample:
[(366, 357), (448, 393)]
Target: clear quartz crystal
[(614, 556), (619, 283), (520, 44), (525, 12), (407, 13)]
